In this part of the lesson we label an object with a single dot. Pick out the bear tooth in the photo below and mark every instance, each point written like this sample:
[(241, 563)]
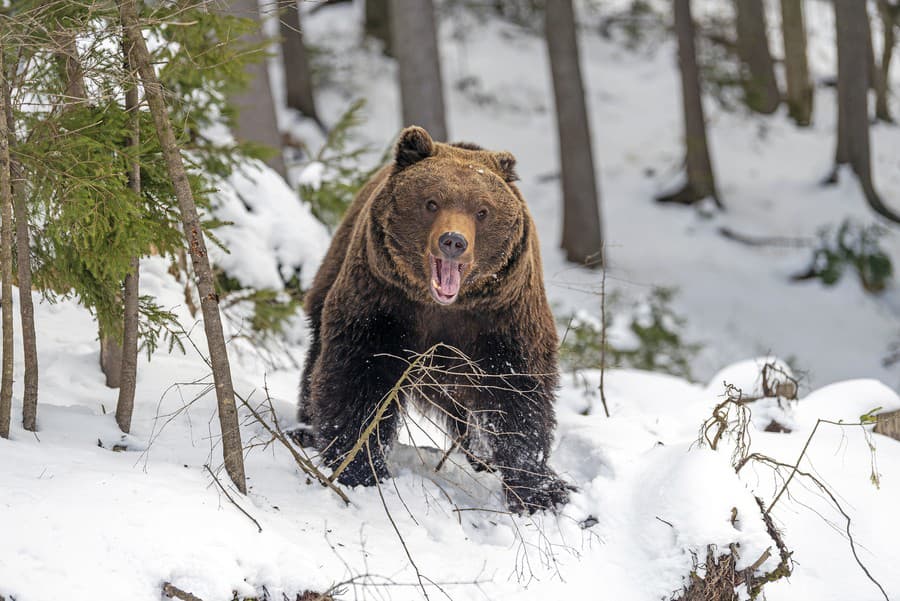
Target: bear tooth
[(435, 284)]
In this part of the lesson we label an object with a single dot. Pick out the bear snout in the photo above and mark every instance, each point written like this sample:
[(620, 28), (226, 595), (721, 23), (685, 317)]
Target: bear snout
[(452, 244)]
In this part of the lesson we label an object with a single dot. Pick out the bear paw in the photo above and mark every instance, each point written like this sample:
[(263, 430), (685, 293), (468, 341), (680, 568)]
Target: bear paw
[(537, 494), (360, 471)]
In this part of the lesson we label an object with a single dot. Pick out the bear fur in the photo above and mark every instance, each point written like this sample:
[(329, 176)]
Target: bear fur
[(382, 292)]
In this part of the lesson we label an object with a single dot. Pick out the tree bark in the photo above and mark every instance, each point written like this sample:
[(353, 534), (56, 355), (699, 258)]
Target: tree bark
[(378, 23), (582, 237), (256, 120), (23, 267), (796, 66), (888, 14), (297, 74), (6, 234), (852, 23), (110, 359), (70, 68), (419, 65), (700, 182), (760, 86), (209, 300), (131, 295)]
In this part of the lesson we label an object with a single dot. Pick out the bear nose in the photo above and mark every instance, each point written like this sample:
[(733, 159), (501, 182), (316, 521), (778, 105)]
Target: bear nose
[(452, 244)]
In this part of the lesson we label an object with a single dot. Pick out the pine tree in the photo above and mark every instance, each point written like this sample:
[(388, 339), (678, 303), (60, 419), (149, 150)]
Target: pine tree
[(131, 294), (799, 96), (209, 302), (256, 121), (760, 86), (23, 273), (852, 24), (419, 65), (297, 73), (700, 182), (582, 236), (6, 243)]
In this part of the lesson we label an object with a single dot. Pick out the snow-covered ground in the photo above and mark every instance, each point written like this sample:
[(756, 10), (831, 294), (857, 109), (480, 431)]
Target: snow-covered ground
[(80, 521)]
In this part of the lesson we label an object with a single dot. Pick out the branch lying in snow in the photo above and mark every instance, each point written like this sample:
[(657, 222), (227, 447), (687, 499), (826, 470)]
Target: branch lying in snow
[(304, 463), (228, 496), (777, 241), (170, 591), (795, 470)]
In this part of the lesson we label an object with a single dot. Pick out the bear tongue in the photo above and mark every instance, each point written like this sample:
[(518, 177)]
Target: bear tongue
[(449, 282)]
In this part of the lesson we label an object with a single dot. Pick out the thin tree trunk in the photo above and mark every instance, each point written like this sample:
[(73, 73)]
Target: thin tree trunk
[(419, 65), (69, 65), (6, 234), (853, 89), (582, 236), (887, 12), (378, 23), (760, 86), (110, 358), (209, 300), (128, 378), (700, 179), (23, 266), (256, 121), (796, 66), (297, 74)]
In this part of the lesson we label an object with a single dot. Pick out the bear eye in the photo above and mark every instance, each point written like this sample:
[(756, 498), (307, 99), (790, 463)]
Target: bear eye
[(431, 206), (480, 215)]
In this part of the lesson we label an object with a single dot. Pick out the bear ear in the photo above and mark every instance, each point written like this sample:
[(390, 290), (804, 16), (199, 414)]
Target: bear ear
[(507, 163), (414, 145)]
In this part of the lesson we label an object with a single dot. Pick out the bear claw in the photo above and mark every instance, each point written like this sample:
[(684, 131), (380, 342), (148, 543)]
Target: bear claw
[(525, 498)]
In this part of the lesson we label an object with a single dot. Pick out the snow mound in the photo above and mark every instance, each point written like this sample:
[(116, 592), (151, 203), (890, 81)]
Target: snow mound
[(272, 235)]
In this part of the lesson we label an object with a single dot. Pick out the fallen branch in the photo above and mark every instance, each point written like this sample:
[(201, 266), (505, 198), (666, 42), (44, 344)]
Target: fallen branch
[(822, 487), (228, 496), (758, 241), (304, 463), (170, 591)]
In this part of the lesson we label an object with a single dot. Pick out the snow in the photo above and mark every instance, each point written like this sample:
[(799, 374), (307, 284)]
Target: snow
[(81, 521), (271, 234)]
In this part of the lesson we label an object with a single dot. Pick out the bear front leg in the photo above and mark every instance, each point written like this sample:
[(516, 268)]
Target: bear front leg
[(352, 378), (516, 418)]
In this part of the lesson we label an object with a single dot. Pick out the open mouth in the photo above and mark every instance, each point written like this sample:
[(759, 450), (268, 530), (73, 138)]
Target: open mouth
[(446, 275)]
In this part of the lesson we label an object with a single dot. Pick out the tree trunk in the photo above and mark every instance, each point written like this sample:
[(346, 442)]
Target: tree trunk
[(128, 378), (700, 179), (110, 359), (209, 300), (760, 86), (796, 67), (887, 12), (256, 120), (378, 23), (582, 238), (419, 65), (23, 267), (297, 74), (69, 64), (6, 234), (70, 68), (853, 102)]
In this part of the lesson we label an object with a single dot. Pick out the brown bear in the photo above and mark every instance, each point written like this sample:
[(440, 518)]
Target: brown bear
[(438, 247)]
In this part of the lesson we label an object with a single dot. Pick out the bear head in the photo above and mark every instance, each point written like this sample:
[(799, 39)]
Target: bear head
[(452, 219)]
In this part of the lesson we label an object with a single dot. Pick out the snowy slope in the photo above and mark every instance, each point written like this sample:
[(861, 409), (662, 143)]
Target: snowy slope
[(82, 522), (737, 300)]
